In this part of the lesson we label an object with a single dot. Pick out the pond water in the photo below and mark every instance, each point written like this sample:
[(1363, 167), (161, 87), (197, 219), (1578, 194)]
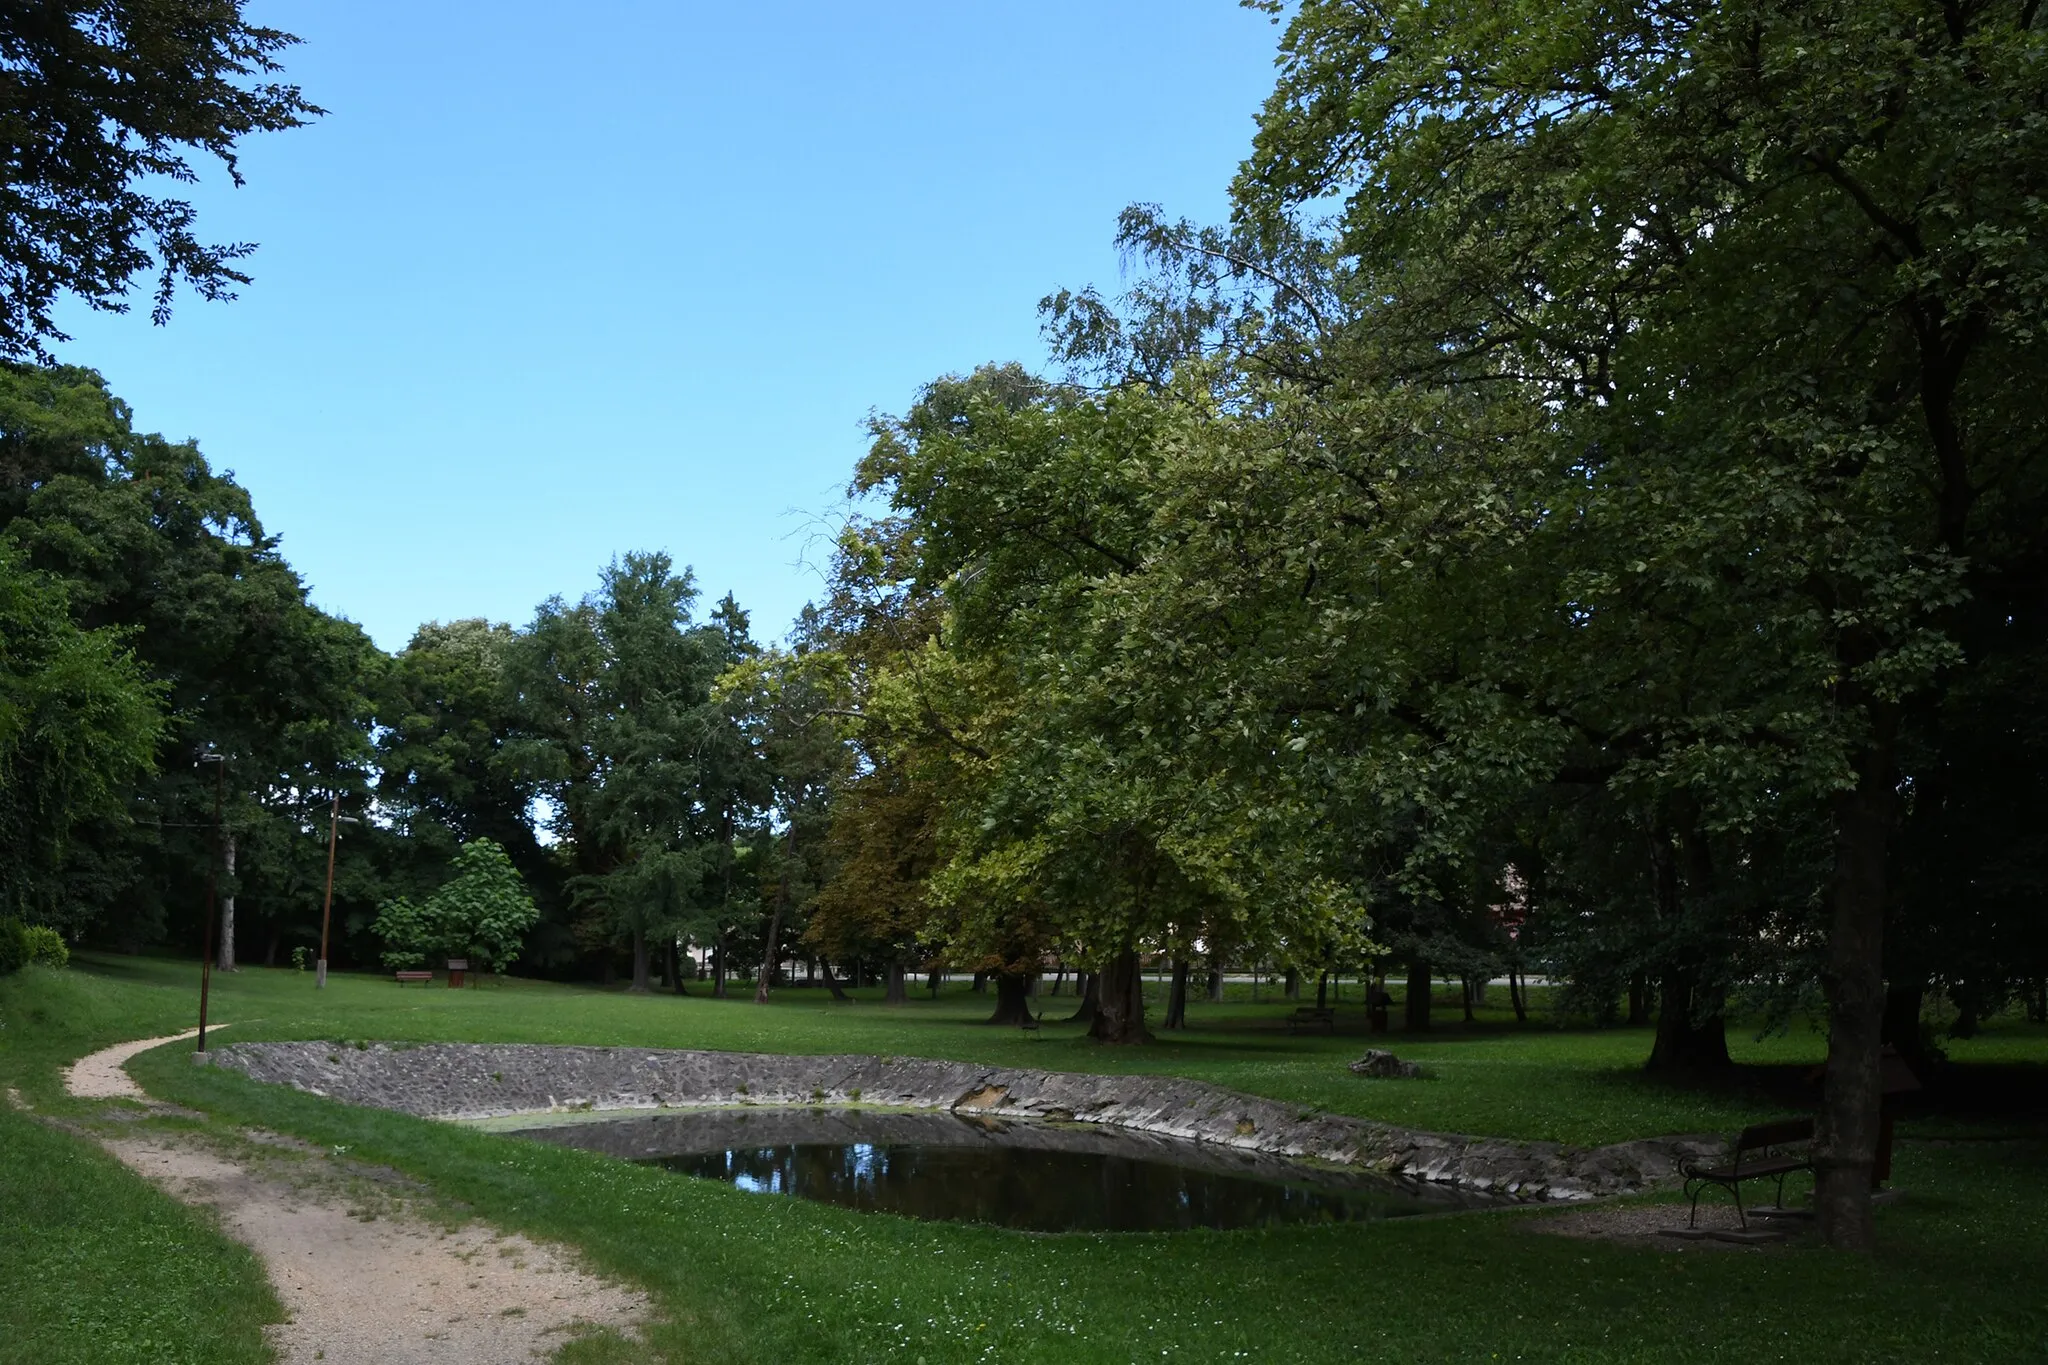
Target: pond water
[(1032, 1176)]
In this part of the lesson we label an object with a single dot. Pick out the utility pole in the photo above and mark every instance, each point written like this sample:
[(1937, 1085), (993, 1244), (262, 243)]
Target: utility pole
[(220, 783), (335, 820)]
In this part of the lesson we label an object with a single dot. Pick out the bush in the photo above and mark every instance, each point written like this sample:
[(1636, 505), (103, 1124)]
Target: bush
[(13, 946), (46, 945), (481, 914)]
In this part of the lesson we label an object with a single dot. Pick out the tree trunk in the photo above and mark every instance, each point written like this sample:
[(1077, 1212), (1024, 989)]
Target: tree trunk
[(769, 949), (1322, 990), (724, 905), (1638, 1000), (933, 982), (1177, 998), (980, 983), (832, 983), (270, 950), (1415, 1008), (1293, 990), (1471, 996), (1087, 985), (641, 964), (1692, 1033), (1216, 983), (2037, 1002), (1845, 1152), (1120, 1001), (895, 994), (225, 958), (1013, 1003), (675, 967), (1518, 996)]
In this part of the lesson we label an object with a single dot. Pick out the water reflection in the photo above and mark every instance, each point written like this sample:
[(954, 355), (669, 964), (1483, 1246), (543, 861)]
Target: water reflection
[(1029, 1176)]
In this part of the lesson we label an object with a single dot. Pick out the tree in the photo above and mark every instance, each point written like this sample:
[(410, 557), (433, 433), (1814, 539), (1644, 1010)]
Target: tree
[(613, 698), (1770, 271), (787, 705), (481, 914), (103, 104), (78, 728), (882, 841), (1083, 806), (151, 543)]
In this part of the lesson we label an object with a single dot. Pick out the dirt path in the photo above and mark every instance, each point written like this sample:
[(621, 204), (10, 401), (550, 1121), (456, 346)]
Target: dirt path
[(366, 1282), (102, 1075)]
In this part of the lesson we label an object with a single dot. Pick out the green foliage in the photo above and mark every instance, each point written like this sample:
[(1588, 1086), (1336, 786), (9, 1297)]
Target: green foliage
[(78, 726), (45, 946), (482, 913), (411, 936), (15, 949), (162, 561), (107, 104)]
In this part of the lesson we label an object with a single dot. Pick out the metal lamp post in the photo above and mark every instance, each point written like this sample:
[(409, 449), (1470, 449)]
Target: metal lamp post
[(335, 820), (220, 782)]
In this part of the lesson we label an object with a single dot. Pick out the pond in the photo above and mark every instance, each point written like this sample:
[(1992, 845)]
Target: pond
[(1038, 1177)]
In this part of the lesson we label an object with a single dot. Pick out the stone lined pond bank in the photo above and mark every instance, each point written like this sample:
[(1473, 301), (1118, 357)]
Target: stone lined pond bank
[(499, 1080)]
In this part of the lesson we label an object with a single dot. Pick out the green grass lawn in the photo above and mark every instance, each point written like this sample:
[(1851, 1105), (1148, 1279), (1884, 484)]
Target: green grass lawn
[(748, 1278)]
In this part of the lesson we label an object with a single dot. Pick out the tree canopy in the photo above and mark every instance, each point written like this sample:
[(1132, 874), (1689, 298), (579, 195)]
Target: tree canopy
[(102, 108)]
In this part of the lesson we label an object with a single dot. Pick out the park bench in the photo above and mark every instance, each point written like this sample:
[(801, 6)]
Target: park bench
[(1762, 1151), (1030, 1025), (1308, 1016), (421, 977)]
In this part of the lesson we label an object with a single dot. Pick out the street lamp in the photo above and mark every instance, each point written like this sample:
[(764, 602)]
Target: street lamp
[(335, 820), (220, 781)]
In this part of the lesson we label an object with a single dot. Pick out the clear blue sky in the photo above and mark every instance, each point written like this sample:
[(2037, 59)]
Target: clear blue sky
[(553, 282)]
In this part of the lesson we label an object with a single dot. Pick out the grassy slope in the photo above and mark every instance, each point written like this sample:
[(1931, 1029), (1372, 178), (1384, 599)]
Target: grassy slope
[(1538, 1082), (95, 1264), (746, 1278)]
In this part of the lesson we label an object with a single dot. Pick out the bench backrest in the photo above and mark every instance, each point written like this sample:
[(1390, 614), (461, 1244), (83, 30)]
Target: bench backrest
[(1780, 1133)]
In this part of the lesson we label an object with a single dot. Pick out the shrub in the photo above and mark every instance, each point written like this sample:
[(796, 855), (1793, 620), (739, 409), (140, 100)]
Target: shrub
[(481, 914), (46, 945), (13, 946)]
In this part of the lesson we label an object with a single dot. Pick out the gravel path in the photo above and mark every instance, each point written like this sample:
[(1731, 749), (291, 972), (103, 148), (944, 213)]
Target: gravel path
[(363, 1281), (102, 1075)]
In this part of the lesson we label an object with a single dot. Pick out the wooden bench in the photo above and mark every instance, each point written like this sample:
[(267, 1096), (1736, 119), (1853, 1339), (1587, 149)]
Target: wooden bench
[(1308, 1016), (421, 977), (1762, 1150), (1030, 1025)]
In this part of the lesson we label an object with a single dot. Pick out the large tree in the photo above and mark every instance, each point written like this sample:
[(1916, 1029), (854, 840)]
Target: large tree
[(615, 712), (78, 729), (152, 543), (1770, 272)]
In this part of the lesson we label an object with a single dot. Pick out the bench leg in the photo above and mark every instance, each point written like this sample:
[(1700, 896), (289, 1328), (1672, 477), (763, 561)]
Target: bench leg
[(1741, 1218)]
